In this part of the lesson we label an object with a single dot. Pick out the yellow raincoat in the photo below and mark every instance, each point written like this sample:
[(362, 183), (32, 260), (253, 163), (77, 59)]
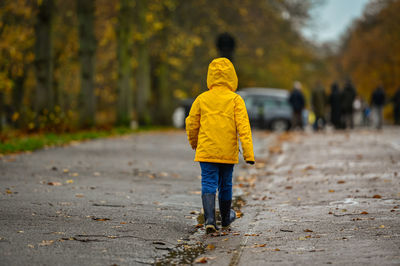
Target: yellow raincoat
[(218, 116)]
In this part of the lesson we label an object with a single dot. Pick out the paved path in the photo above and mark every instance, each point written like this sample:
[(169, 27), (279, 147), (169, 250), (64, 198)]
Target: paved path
[(331, 198), (135, 200)]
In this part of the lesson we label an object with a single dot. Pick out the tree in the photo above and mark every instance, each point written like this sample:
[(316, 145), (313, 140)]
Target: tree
[(87, 49), (44, 101), (143, 75), (124, 55)]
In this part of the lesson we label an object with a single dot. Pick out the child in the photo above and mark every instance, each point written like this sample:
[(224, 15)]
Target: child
[(215, 120)]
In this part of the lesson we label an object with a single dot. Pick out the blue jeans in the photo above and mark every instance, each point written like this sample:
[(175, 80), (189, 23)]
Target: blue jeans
[(217, 175)]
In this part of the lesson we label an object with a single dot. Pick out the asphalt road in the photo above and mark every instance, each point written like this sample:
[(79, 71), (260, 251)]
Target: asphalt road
[(135, 200)]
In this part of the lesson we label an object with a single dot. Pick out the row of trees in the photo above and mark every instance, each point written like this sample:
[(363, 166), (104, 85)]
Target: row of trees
[(68, 64), (369, 51)]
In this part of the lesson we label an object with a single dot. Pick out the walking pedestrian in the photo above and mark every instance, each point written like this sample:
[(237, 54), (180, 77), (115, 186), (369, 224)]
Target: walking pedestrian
[(215, 120), (297, 102), (318, 102), (348, 96), (335, 103), (396, 107), (377, 103)]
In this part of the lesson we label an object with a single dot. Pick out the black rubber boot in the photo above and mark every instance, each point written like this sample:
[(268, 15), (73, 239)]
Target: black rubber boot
[(227, 214), (209, 212)]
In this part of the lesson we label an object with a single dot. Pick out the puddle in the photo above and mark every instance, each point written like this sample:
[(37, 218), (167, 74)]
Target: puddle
[(182, 254), (187, 253)]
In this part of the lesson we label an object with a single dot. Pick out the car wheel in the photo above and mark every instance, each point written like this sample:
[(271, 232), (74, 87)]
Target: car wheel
[(279, 125)]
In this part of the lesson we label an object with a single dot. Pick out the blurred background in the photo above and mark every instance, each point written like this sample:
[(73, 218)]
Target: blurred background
[(70, 65)]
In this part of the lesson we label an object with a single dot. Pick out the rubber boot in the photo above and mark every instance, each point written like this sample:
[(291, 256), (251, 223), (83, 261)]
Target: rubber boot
[(227, 214), (209, 212)]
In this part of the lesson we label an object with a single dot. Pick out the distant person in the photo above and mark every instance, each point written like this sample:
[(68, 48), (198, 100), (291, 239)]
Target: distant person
[(348, 96), (335, 103), (216, 119), (396, 107), (318, 102), (226, 45), (297, 102), (377, 103)]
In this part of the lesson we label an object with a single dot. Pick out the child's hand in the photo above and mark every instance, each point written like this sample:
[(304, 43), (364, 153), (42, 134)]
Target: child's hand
[(250, 162)]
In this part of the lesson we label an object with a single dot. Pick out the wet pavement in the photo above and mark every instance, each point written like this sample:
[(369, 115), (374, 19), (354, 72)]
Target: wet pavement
[(326, 198)]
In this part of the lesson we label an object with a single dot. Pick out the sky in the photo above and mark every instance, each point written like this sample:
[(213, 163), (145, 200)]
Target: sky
[(333, 18)]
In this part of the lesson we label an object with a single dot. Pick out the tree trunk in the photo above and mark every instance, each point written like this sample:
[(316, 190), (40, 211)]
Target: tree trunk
[(87, 50), (165, 94), (18, 96), (44, 98), (143, 72), (124, 54)]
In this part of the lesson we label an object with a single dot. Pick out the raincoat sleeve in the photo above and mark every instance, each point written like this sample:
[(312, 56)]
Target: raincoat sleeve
[(243, 129), (193, 124)]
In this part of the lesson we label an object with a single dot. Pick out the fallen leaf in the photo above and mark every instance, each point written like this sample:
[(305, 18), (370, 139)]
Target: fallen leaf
[(289, 187), (308, 236), (69, 181), (275, 149), (79, 195), (251, 234), (122, 223), (54, 184), (151, 176), (239, 214), (8, 191), (236, 234), (96, 174), (203, 259), (261, 245), (194, 212), (66, 170), (225, 239), (310, 167), (100, 219), (195, 192), (75, 174), (210, 247), (341, 182), (163, 174), (364, 212), (277, 249), (46, 242), (199, 225), (308, 231), (31, 246), (331, 190), (377, 196), (382, 226), (302, 238)]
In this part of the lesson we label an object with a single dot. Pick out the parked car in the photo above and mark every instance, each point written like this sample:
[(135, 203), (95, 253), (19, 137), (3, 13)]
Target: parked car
[(267, 109)]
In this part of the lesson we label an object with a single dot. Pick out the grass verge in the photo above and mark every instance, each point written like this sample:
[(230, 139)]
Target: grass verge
[(15, 142)]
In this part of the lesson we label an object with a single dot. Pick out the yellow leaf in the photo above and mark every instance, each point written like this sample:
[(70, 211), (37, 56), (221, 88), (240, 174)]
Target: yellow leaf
[(69, 181), (210, 247)]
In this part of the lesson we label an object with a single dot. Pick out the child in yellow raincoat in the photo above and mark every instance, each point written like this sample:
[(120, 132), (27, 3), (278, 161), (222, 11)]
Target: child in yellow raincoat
[(216, 119)]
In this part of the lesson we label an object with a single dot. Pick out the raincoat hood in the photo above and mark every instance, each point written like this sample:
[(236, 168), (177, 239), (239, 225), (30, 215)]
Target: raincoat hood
[(221, 72)]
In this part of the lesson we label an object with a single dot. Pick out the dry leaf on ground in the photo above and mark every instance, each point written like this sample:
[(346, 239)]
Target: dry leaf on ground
[(54, 184)]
